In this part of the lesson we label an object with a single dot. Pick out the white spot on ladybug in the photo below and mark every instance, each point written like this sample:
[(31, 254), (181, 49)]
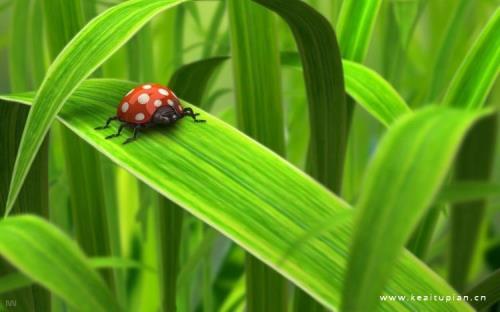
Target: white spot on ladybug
[(147, 87), (170, 102), (158, 103), (163, 92), (125, 107), (130, 92), (140, 117), (143, 99)]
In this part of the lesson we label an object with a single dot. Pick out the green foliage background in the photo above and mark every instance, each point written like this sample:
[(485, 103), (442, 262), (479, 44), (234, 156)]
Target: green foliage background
[(367, 127)]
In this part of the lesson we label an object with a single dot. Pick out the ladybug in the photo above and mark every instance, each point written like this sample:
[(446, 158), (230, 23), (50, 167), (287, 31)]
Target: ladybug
[(146, 106)]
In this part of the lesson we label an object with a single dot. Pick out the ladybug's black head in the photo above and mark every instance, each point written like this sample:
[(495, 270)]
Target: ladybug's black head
[(165, 115)]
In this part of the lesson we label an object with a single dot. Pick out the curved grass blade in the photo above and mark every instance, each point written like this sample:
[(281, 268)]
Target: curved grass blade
[(43, 253), (373, 93), (477, 74), (244, 191), (188, 79), (88, 50), (355, 27), (488, 288), (324, 79), (399, 187), (368, 88)]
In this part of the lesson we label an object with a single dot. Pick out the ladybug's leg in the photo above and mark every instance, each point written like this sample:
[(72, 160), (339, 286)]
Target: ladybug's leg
[(118, 133), (134, 136), (110, 119), (189, 112)]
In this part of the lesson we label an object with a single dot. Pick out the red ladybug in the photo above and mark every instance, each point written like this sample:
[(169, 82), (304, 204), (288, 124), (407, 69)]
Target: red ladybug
[(146, 106)]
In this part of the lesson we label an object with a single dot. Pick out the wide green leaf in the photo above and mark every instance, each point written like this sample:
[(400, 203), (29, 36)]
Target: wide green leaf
[(400, 185), (243, 190), (89, 49), (43, 253), (477, 74)]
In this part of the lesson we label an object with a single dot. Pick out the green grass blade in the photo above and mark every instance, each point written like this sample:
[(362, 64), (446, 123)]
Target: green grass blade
[(488, 287), (42, 252), (475, 162), (373, 93), (406, 13), (259, 113), (477, 74), (324, 82), (213, 29), (190, 81), (89, 49), (398, 188), (33, 197), (463, 191), (244, 191), (13, 281), (18, 58), (367, 87), (81, 162), (38, 56), (440, 72), (355, 27)]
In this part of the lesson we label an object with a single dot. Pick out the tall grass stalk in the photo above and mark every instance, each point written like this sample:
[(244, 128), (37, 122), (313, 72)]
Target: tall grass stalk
[(82, 163), (259, 114), (34, 194)]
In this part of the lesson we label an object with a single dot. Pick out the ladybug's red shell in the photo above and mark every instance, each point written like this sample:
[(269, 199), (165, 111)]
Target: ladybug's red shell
[(141, 103)]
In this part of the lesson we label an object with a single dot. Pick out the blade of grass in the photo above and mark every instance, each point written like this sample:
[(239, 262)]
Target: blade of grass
[(18, 280), (463, 191), (44, 254), (367, 87), (213, 29), (442, 61), (38, 56), (406, 13), (324, 82), (479, 70), (328, 110), (89, 49), (373, 93), (33, 197), (259, 113), (468, 90), (81, 162), (355, 27), (244, 191), (488, 288), (398, 188), (475, 162), (190, 81)]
